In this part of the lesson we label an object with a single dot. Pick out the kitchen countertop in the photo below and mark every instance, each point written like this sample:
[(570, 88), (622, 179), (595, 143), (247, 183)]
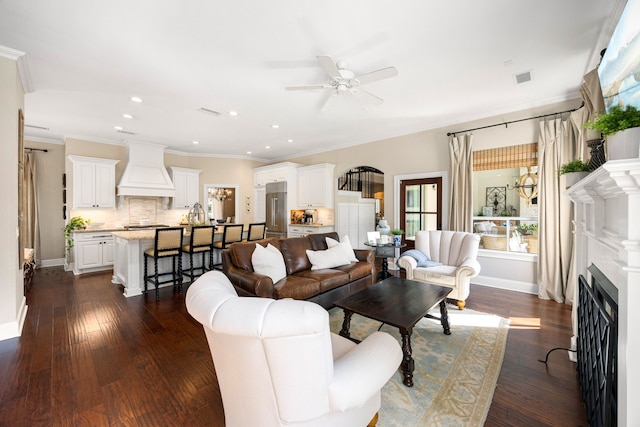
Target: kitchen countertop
[(311, 225)]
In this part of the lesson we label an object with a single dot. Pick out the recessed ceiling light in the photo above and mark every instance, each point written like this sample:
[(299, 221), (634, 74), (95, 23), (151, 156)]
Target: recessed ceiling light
[(118, 127), (233, 113), (248, 152), (275, 126), (196, 142), (267, 146), (136, 99), (127, 116), (289, 140)]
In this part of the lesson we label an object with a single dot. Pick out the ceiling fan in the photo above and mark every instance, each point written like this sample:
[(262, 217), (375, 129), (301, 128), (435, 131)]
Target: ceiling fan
[(344, 82)]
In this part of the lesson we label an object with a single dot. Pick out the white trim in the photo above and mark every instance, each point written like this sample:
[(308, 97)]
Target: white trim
[(445, 194), (509, 285), (51, 262), (13, 328), (7, 52)]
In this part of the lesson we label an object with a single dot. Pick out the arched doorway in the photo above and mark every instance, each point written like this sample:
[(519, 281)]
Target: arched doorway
[(369, 182)]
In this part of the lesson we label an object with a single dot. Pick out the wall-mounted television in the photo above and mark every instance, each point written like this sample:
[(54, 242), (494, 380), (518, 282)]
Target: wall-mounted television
[(619, 69)]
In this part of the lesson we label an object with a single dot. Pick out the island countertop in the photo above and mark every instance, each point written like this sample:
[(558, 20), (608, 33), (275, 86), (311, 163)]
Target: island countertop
[(150, 234)]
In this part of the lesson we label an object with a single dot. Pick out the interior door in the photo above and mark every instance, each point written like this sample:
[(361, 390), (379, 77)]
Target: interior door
[(420, 206)]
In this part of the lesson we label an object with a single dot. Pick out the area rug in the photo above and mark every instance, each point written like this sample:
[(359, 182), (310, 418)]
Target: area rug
[(455, 375)]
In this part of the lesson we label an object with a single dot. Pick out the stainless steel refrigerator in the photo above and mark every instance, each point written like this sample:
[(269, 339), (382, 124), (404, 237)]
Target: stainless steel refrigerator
[(277, 214)]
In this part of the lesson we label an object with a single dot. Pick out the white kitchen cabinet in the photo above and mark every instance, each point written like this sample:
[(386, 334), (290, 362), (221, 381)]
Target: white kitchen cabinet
[(92, 252), (303, 230), (355, 220), (259, 204), (187, 184), (315, 186), (94, 182), (278, 172)]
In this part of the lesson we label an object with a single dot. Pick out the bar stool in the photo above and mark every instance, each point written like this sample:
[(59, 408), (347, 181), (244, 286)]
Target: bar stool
[(232, 233), (167, 244), (200, 241), (257, 231)]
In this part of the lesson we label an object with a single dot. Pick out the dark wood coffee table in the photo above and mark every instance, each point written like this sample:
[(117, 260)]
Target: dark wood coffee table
[(400, 303)]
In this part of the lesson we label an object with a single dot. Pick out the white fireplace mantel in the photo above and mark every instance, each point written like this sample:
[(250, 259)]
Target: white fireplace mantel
[(607, 234)]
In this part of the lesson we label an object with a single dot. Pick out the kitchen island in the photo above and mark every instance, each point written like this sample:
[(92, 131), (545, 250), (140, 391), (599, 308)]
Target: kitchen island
[(128, 263)]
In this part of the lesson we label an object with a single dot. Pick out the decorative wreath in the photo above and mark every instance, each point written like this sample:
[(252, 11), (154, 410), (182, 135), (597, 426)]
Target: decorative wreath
[(522, 185)]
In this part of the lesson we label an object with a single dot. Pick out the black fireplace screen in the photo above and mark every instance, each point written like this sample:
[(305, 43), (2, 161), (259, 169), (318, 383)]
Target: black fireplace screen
[(597, 348)]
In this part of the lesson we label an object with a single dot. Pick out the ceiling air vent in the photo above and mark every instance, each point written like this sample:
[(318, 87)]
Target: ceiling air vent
[(36, 127), (125, 131), (208, 111), (523, 77)]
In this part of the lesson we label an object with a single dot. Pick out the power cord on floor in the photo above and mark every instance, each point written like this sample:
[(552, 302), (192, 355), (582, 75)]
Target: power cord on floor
[(546, 359)]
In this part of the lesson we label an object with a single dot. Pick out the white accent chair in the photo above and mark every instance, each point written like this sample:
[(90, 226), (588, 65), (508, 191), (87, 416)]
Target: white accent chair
[(456, 250), (278, 364)]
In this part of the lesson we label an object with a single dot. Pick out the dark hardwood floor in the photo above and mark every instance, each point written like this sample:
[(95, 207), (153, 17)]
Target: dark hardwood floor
[(90, 356)]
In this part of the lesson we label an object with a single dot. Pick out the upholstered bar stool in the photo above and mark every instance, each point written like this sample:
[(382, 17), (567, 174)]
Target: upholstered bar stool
[(232, 233), (257, 231), (167, 244), (200, 241)]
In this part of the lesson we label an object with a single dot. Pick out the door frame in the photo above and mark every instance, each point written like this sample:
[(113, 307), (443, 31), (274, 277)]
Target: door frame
[(445, 194)]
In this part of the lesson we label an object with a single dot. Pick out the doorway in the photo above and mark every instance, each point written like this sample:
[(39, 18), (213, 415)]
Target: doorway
[(420, 206)]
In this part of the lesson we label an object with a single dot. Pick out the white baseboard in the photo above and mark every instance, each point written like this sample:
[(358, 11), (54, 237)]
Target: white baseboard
[(52, 262), (509, 285), (13, 328)]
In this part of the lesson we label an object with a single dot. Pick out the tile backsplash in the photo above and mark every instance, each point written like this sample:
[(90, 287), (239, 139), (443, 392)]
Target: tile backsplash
[(131, 210)]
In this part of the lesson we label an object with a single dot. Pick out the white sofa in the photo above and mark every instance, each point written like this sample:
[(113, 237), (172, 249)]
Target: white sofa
[(457, 251), (278, 364)]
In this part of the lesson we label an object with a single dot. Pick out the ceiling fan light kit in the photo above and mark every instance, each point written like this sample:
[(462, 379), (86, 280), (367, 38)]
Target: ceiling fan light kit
[(345, 82)]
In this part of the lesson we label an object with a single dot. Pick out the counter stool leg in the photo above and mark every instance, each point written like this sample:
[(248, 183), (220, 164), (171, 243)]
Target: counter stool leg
[(145, 276), (155, 264)]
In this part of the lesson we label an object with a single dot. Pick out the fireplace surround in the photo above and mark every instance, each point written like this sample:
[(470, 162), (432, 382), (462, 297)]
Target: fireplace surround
[(607, 235)]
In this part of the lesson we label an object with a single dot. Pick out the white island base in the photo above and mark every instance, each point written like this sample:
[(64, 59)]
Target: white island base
[(128, 267)]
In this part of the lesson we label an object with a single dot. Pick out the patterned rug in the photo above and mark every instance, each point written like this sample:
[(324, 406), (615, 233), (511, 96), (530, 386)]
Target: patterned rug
[(455, 375)]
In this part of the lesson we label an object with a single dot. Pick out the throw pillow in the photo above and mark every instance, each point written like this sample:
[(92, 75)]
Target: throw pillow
[(345, 244), (329, 258), (421, 258), (268, 262)]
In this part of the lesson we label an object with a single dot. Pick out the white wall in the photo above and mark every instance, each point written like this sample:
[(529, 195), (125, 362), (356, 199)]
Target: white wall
[(12, 301)]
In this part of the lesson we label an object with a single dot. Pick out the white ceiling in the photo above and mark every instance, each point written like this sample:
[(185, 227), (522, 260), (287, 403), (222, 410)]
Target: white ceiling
[(456, 62)]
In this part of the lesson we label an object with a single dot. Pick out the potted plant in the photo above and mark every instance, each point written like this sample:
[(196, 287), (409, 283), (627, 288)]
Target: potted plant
[(621, 127), (75, 223), (575, 170), (397, 235), (527, 229)]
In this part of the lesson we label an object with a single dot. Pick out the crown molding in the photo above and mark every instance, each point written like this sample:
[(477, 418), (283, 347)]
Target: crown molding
[(22, 64)]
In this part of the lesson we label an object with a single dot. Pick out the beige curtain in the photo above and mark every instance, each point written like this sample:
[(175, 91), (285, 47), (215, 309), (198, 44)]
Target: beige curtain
[(557, 144), (461, 207), (31, 228)]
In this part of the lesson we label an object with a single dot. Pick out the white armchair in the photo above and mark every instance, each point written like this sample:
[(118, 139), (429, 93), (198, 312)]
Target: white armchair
[(456, 250), (278, 364)]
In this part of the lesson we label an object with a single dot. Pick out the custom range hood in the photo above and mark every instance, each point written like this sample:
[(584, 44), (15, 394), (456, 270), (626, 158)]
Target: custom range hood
[(145, 174)]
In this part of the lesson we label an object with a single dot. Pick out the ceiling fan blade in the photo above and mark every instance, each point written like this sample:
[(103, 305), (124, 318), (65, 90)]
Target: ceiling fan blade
[(366, 97), (329, 102), (329, 66), (309, 87), (374, 76)]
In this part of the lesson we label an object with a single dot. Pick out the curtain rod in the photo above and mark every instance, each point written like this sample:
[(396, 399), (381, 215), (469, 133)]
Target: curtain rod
[(36, 149), (515, 121)]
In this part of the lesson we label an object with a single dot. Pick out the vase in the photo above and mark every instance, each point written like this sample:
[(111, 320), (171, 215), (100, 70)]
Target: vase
[(624, 144), (383, 227), (397, 239), (573, 177)]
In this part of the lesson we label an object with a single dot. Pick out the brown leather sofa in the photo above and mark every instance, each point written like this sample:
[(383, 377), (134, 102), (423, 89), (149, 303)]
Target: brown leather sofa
[(323, 287)]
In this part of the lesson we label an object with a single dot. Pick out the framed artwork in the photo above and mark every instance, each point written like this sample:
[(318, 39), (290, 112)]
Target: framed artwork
[(496, 199)]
